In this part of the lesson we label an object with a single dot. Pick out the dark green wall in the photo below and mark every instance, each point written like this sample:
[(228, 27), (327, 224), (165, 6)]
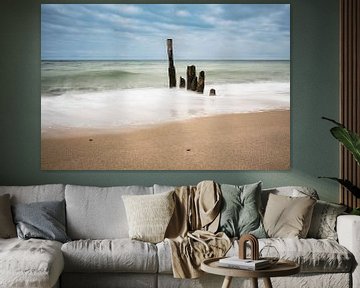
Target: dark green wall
[(314, 93)]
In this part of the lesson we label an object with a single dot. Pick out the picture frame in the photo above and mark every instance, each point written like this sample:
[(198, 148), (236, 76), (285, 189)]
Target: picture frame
[(112, 97)]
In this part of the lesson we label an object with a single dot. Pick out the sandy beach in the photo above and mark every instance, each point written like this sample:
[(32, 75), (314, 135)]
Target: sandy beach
[(251, 141)]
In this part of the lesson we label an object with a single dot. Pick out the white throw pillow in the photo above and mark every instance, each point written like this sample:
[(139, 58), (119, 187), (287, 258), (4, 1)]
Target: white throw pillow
[(149, 215)]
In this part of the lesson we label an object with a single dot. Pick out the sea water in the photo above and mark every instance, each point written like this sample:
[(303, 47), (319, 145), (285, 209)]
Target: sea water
[(128, 94)]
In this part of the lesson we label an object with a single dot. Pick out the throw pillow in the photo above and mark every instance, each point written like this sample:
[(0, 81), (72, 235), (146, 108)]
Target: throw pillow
[(7, 227), (323, 222), (149, 215), (291, 191), (43, 220), (240, 213), (288, 217)]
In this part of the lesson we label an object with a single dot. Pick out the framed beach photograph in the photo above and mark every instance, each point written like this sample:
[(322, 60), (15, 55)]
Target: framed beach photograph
[(165, 86)]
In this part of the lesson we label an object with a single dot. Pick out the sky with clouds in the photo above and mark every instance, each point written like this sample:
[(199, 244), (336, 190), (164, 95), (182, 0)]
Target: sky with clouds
[(139, 32)]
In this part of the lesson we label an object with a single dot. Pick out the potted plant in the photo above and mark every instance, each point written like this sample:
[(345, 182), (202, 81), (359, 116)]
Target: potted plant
[(351, 141)]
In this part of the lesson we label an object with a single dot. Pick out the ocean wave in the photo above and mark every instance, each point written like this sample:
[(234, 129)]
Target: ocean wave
[(92, 81), (124, 108), (86, 76)]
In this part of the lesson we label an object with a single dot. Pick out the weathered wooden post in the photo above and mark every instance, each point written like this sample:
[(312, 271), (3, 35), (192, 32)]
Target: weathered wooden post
[(182, 82), (201, 83), (190, 75), (171, 70), (194, 84), (212, 92)]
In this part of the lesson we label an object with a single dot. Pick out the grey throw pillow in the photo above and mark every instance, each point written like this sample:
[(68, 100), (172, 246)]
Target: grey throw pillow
[(323, 222), (7, 227), (44, 220), (240, 213)]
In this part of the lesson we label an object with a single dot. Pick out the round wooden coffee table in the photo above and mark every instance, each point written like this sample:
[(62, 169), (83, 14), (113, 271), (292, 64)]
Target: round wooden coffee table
[(281, 268)]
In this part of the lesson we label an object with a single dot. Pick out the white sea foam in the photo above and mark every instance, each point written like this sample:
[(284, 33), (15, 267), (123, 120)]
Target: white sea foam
[(128, 108)]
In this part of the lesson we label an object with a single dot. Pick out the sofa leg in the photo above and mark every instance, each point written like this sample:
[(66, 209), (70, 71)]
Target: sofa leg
[(267, 282), (227, 282)]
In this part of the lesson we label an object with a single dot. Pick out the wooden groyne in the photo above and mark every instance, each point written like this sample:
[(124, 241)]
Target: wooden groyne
[(191, 77), (171, 69), (201, 83), (192, 82)]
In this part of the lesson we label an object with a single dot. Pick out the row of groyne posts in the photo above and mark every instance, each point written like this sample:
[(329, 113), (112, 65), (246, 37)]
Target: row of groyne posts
[(192, 82)]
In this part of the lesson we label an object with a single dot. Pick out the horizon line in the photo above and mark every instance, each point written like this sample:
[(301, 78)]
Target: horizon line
[(257, 59)]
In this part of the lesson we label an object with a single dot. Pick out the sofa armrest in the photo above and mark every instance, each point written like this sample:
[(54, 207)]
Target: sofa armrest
[(348, 230)]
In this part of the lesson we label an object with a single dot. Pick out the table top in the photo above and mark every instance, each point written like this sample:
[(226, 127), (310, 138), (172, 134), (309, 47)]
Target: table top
[(281, 268)]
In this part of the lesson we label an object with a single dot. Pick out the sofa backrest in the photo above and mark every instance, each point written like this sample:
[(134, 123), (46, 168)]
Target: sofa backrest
[(98, 212), (36, 193), (162, 188), (293, 191)]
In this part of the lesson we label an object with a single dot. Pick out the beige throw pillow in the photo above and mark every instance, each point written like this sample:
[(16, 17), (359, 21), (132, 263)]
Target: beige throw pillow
[(7, 226), (149, 215), (288, 217)]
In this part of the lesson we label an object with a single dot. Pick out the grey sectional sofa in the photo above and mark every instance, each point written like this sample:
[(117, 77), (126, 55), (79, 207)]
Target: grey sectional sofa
[(101, 254)]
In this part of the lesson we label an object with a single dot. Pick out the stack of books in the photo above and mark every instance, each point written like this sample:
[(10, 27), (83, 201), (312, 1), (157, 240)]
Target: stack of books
[(248, 264)]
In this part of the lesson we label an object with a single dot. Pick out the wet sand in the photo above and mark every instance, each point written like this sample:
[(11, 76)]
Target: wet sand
[(251, 141)]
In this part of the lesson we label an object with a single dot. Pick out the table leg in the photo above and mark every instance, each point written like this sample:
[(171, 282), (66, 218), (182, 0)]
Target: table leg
[(267, 283), (227, 282), (254, 282)]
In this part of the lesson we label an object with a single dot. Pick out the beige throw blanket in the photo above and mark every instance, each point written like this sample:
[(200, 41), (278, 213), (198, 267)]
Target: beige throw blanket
[(190, 232)]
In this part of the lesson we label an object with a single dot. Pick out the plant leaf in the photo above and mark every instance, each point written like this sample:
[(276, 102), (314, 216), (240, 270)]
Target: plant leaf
[(347, 184), (355, 211), (333, 121), (349, 139)]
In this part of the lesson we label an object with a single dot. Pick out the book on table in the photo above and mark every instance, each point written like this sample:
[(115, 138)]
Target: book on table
[(236, 262)]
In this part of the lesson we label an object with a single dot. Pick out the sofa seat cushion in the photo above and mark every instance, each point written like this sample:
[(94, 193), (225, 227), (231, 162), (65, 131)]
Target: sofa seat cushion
[(30, 263), (115, 255), (164, 257), (313, 255)]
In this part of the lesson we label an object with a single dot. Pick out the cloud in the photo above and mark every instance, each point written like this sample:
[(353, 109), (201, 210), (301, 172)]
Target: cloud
[(214, 10), (130, 9), (182, 13), (219, 31)]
